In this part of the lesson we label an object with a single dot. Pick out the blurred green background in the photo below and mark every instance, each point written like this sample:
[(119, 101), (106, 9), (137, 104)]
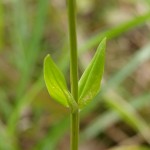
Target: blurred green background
[(118, 118)]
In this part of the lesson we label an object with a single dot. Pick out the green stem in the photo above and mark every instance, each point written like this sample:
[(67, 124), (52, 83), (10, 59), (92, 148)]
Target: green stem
[(73, 72), (74, 131)]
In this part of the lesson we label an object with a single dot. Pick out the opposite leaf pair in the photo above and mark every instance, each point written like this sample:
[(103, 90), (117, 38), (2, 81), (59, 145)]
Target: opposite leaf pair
[(89, 84)]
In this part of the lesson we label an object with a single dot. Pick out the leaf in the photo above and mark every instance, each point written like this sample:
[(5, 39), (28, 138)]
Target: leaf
[(90, 81), (56, 84)]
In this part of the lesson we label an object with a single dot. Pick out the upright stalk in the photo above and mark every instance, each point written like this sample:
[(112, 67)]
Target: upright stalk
[(73, 72)]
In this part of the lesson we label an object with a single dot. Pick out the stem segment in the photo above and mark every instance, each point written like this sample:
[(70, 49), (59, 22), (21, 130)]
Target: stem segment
[(74, 131), (73, 72)]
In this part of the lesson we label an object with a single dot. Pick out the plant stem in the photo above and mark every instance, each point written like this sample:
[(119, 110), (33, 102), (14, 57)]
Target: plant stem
[(73, 72), (74, 131)]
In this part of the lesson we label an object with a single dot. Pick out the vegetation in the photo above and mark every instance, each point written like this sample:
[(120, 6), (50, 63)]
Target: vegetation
[(117, 118)]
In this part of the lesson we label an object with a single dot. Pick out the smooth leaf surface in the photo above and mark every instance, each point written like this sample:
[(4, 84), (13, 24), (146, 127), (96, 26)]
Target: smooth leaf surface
[(56, 84), (90, 81)]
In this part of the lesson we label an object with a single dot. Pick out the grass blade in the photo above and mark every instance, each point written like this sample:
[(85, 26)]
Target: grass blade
[(102, 122), (129, 114), (54, 135), (114, 32), (1, 25)]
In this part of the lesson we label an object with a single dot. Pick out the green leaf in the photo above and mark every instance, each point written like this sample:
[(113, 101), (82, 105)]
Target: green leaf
[(90, 81), (56, 84)]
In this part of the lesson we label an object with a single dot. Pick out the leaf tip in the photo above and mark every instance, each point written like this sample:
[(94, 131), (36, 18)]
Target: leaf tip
[(47, 57), (104, 40)]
